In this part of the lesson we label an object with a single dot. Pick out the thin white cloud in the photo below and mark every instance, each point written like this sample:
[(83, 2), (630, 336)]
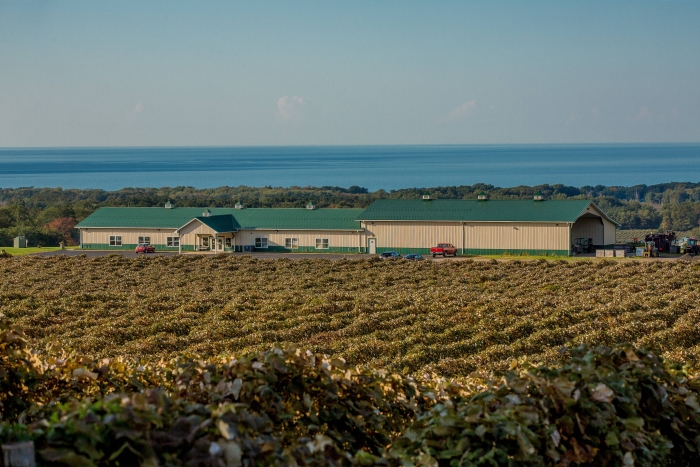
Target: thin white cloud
[(139, 108), (645, 115), (290, 109), (463, 110)]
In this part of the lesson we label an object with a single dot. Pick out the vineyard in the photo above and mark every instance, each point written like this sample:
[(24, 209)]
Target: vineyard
[(452, 318), (219, 361)]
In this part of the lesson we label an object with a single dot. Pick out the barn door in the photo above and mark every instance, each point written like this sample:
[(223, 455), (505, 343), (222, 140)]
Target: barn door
[(372, 246)]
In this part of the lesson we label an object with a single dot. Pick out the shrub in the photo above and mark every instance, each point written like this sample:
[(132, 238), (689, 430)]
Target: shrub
[(603, 406)]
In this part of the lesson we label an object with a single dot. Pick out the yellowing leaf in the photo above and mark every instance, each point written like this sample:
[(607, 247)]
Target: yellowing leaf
[(602, 393), (225, 430), (84, 373)]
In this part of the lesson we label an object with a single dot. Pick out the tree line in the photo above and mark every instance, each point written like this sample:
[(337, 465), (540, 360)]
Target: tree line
[(47, 216)]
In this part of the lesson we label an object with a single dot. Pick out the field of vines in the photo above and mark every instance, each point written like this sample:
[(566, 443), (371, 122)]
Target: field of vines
[(452, 318)]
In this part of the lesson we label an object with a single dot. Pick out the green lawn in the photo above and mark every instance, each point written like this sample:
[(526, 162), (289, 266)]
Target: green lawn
[(29, 251)]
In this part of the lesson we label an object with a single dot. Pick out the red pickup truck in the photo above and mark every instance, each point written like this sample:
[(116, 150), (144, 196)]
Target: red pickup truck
[(444, 249)]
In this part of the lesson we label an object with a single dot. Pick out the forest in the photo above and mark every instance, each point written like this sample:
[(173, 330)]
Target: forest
[(47, 216)]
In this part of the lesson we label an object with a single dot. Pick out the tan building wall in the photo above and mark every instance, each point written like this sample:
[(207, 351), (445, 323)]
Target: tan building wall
[(472, 236), (412, 235), (337, 240), (610, 230), (517, 236), (128, 236)]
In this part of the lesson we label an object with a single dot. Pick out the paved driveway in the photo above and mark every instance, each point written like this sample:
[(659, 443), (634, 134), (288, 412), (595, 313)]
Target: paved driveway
[(260, 255), (330, 256), (98, 253), (131, 254)]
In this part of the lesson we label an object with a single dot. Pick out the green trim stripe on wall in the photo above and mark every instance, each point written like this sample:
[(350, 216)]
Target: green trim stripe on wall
[(479, 251), (310, 249), (271, 249), (131, 246)]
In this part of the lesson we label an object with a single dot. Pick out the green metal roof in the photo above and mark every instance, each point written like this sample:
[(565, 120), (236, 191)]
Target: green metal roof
[(220, 223), (156, 218), (225, 218), (301, 219), (473, 210), (229, 219)]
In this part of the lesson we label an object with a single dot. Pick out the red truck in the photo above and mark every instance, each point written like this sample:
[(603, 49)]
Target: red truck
[(444, 249)]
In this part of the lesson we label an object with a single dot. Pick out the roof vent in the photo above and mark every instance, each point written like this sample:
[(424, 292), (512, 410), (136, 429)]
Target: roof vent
[(206, 213), (482, 196), (169, 205), (239, 205), (427, 196), (538, 197), (310, 206)]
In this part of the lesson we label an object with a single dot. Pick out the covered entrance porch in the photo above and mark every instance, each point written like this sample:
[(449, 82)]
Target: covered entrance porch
[(216, 234)]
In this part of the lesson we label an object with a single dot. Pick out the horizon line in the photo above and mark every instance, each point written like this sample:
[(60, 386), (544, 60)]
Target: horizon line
[(660, 143)]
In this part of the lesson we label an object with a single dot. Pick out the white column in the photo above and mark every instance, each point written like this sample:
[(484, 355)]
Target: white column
[(179, 242), (216, 243)]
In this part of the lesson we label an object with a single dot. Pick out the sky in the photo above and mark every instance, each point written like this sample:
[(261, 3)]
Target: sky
[(173, 73)]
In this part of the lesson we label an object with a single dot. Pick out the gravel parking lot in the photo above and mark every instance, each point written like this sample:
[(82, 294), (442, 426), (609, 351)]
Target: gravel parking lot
[(330, 256)]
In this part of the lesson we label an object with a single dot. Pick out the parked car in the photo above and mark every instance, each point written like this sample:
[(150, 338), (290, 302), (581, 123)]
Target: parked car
[(144, 248), (414, 257), (389, 255), (444, 249)]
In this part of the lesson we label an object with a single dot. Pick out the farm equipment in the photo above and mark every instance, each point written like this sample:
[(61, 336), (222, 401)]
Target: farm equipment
[(582, 245), (650, 250), (688, 245), (662, 241)]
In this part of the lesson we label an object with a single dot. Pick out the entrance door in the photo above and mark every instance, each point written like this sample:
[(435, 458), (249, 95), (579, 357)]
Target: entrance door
[(204, 243), (372, 245), (220, 245)]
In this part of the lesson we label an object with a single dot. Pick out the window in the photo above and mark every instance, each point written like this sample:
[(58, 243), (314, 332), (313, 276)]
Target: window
[(115, 240), (291, 243), (145, 240), (321, 243), (205, 242), (172, 241), (260, 242), (228, 242)]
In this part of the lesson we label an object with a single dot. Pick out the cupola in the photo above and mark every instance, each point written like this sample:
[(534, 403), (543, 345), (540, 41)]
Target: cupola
[(538, 197), (239, 205), (482, 196), (206, 213), (310, 206), (427, 196), (169, 205)]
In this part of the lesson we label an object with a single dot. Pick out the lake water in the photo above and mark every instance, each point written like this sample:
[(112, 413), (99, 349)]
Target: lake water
[(373, 167)]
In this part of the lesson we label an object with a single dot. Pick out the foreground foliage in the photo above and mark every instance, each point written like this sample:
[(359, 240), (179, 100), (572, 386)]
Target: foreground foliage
[(602, 407), (452, 318)]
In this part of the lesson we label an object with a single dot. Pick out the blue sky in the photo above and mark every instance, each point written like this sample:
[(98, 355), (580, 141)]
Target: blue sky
[(86, 73)]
